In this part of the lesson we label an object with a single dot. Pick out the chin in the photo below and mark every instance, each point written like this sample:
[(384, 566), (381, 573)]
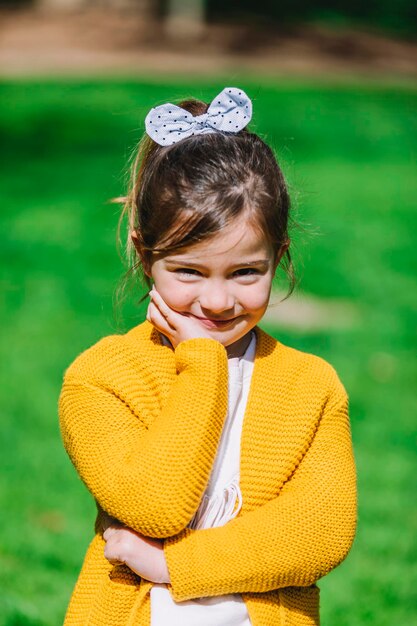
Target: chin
[(226, 339)]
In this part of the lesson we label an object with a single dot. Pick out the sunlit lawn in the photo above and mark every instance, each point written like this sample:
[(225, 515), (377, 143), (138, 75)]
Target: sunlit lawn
[(349, 155)]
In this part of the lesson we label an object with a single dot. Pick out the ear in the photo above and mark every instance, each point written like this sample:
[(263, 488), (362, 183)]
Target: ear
[(281, 252), (136, 242), (140, 252)]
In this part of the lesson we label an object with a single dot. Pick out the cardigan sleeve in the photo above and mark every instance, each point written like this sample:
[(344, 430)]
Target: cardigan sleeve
[(149, 478), (292, 540)]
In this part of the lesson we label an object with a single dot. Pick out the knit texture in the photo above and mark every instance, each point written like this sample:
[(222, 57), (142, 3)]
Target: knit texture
[(142, 423)]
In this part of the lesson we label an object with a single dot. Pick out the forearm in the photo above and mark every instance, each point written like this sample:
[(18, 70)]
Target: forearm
[(150, 478), (292, 540)]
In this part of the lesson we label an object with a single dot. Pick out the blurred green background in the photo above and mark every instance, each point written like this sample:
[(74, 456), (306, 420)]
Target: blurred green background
[(349, 154)]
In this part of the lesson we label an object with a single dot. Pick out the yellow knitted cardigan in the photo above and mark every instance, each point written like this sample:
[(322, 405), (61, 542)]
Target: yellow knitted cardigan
[(142, 422)]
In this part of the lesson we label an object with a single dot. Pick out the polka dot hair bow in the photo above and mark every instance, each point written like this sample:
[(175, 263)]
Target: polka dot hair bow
[(229, 112)]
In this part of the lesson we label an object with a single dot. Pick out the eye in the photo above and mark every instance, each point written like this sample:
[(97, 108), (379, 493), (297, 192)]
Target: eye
[(186, 271), (247, 271)]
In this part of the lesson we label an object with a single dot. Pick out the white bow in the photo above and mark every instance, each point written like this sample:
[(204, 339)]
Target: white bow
[(229, 112)]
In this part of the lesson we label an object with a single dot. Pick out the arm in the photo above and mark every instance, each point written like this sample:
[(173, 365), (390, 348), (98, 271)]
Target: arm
[(149, 478), (293, 540)]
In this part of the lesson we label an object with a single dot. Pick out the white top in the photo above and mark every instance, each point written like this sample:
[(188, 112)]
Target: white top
[(221, 502)]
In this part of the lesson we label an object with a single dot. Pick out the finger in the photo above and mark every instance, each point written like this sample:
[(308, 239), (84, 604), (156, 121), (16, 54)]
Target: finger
[(109, 532), (111, 554), (114, 561), (156, 317), (157, 299)]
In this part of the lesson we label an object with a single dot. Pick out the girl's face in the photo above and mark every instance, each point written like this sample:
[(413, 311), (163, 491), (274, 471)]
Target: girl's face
[(224, 282)]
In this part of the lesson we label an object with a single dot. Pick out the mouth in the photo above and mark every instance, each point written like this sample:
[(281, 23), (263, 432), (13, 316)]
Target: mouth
[(214, 323)]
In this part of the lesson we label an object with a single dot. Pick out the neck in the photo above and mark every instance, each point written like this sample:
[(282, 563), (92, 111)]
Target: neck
[(239, 347)]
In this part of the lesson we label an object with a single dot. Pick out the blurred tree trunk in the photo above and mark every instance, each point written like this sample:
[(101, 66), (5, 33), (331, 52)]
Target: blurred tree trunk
[(185, 18), (153, 9)]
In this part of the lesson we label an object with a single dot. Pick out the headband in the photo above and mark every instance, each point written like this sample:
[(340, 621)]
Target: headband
[(229, 112)]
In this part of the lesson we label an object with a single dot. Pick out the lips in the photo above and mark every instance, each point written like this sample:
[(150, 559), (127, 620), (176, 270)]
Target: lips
[(210, 319), (211, 323)]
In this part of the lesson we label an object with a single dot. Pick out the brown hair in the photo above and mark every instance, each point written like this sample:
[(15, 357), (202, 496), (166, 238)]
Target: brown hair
[(180, 194)]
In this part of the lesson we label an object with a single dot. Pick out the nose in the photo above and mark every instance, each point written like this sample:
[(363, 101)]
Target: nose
[(216, 299)]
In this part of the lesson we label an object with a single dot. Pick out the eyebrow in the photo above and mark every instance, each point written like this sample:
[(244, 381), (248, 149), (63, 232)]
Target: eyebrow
[(176, 261)]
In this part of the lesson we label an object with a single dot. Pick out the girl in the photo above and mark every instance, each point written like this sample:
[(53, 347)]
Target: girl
[(220, 459)]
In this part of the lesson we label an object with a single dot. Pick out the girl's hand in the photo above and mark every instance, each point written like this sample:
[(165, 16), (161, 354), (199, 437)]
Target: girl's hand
[(176, 326), (142, 555)]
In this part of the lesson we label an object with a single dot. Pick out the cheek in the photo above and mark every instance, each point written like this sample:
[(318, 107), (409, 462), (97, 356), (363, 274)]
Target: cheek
[(177, 295), (258, 297)]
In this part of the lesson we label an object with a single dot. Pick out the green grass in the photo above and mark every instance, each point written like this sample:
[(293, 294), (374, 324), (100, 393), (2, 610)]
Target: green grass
[(349, 155)]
